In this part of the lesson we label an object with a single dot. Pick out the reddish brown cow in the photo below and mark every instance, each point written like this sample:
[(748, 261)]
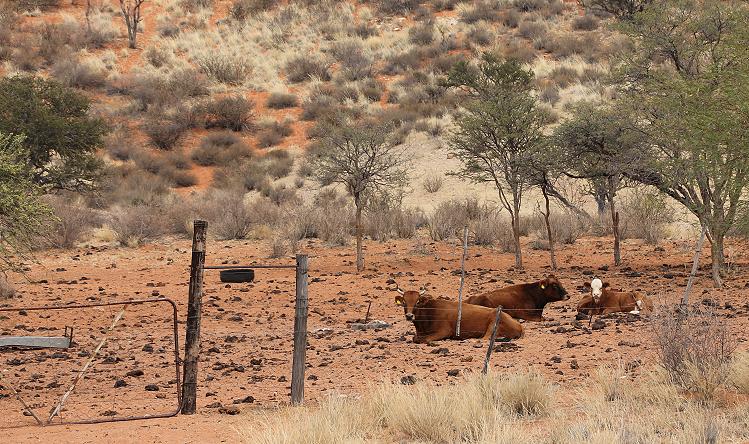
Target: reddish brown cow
[(524, 301), (435, 319), (603, 300)]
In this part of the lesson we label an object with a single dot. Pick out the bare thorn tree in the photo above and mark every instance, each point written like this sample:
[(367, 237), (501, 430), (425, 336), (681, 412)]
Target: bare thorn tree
[(131, 14), (359, 156)]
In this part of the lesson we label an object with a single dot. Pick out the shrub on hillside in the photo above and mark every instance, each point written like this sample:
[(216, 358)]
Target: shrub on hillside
[(188, 82), (272, 133), (585, 22), (302, 68), (232, 112), (486, 10), (221, 148), (391, 7), (240, 10), (229, 215), (531, 30), (354, 60), (402, 62), (230, 70), (422, 34), (317, 106), (79, 73), (163, 133), (119, 144), (480, 35), (279, 100), (371, 89), (564, 76), (128, 185)]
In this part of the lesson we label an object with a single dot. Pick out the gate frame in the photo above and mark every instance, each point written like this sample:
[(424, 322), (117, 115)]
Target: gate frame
[(106, 304)]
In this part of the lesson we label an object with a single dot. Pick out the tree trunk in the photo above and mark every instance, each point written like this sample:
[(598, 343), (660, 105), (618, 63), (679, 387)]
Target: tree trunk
[(718, 257), (516, 238), (547, 214), (614, 222), (600, 194), (359, 251)]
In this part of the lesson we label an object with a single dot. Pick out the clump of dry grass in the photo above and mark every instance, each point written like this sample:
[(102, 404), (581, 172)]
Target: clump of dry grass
[(739, 376), (137, 224), (7, 291)]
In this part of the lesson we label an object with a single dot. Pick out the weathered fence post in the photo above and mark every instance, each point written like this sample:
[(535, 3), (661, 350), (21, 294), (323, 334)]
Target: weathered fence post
[(695, 266), (462, 279), (491, 341), (192, 336), (300, 332)]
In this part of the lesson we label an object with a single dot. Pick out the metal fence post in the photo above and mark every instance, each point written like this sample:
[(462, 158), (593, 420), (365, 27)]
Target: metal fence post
[(462, 280), (300, 331), (192, 336)]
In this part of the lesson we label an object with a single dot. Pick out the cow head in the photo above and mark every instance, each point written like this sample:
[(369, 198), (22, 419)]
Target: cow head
[(553, 289), (596, 289), (408, 299)]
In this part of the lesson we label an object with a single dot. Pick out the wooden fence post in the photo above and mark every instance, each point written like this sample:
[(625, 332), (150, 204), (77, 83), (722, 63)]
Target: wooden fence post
[(300, 332), (491, 341), (192, 336), (695, 266), (462, 280)]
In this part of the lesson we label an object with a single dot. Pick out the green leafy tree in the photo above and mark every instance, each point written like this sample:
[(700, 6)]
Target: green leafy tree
[(498, 130), (623, 9), (359, 156), (61, 136), (687, 83), (600, 144), (23, 215)]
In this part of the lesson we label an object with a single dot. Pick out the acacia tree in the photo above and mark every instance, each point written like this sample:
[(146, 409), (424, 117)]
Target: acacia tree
[(599, 145), (623, 9), (23, 215), (61, 137), (498, 130), (131, 14), (687, 82), (359, 156)]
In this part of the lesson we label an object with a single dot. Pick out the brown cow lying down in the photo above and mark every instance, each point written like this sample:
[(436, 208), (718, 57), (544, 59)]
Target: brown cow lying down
[(524, 301), (435, 319), (603, 300)]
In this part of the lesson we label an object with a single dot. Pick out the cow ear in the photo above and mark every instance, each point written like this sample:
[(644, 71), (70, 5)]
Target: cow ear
[(606, 285), (586, 285), (399, 300)]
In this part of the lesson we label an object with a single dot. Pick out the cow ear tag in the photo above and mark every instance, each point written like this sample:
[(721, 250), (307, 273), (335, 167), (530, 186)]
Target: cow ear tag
[(398, 302), (543, 286)]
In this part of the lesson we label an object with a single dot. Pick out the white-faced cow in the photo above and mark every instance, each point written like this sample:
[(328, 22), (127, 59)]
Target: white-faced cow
[(603, 300), (524, 301), (435, 319)]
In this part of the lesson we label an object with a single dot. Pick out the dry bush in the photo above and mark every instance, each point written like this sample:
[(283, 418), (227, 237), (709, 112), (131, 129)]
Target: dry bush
[(549, 94), (645, 215), (7, 291), (739, 376), (402, 62), (385, 218), (566, 227), (433, 184), (163, 133), (484, 223), (585, 22), (279, 100), (422, 34), (695, 347), (331, 218), (564, 76), (138, 224), (230, 70), (486, 10), (241, 10), (480, 35), (444, 5), (531, 29), (518, 51), (129, 186), (354, 60), (390, 7), (181, 178), (73, 220), (222, 148), (371, 89), (119, 144), (304, 67), (79, 73), (567, 45), (272, 133), (231, 112), (230, 217)]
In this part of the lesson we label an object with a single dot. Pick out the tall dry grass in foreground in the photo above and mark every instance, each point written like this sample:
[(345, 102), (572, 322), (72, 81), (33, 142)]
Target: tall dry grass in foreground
[(520, 408)]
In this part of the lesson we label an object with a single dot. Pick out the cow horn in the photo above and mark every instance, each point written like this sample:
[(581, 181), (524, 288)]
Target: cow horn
[(398, 289), (422, 291)]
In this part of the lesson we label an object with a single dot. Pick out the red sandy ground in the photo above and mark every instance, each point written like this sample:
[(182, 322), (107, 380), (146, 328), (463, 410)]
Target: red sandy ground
[(247, 328)]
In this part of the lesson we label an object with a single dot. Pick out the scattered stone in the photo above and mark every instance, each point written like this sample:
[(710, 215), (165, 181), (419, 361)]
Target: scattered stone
[(361, 342), (152, 388), (229, 410), (408, 380), (120, 383), (256, 361), (214, 405), (134, 373), (372, 325), (453, 372), (556, 359), (109, 413), (440, 351), (598, 324), (148, 348), (282, 379), (246, 400), (574, 365)]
